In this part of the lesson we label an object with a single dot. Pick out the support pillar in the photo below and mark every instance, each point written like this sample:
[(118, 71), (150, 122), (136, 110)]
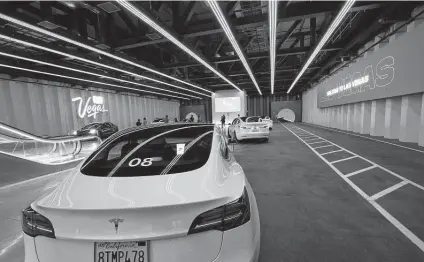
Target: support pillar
[(365, 118), (350, 117), (356, 117), (421, 134), (392, 118), (410, 118), (377, 117), (344, 117)]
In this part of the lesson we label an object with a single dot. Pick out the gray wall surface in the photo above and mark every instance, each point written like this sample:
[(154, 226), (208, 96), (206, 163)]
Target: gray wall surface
[(395, 69), (199, 110), (295, 106), (46, 108)]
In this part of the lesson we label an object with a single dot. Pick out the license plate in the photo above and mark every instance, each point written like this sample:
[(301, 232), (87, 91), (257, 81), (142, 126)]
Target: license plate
[(255, 130), (134, 251)]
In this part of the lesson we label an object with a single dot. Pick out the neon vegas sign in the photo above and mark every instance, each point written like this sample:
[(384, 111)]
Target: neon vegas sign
[(356, 82), (90, 110)]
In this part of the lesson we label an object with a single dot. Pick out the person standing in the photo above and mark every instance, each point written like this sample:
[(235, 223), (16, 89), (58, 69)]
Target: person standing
[(166, 119), (176, 120), (138, 122), (223, 121), (192, 118), (144, 121)]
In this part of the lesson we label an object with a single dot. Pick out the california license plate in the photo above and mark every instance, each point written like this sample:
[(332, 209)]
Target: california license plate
[(134, 251)]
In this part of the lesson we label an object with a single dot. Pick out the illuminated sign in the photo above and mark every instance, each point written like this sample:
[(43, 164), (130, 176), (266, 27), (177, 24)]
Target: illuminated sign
[(360, 82), (90, 109), (354, 83)]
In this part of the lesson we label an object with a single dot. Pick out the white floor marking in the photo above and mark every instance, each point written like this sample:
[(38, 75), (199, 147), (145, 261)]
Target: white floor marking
[(322, 146), (360, 171), (411, 236), (34, 179), (313, 138), (331, 152), (378, 140), (341, 160), (388, 190), (317, 142)]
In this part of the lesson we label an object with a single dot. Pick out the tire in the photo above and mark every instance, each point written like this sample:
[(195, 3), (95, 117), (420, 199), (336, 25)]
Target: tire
[(266, 140)]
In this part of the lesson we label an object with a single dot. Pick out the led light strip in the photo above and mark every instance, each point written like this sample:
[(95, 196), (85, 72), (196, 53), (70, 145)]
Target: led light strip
[(11, 39), (86, 80), (331, 29), (94, 74), (171, 38), (272, 15), (221, 19), (68, 40)]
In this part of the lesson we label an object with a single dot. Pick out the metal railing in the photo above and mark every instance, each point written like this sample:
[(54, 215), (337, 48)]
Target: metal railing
[(45, 150)]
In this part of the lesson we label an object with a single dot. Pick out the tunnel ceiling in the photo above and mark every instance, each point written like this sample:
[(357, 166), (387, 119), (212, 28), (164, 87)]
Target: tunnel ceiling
[(111, 28)]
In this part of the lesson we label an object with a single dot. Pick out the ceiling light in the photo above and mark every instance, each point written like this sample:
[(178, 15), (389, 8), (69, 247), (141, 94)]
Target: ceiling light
[(93, 49), (143, 17), (272, 16), (331, 29), (86, 80), (221, 19), (93, 62), (94, 74)]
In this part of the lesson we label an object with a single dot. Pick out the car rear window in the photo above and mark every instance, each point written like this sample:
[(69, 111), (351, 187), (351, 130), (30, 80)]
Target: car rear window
[(253, 119), (141, 153)]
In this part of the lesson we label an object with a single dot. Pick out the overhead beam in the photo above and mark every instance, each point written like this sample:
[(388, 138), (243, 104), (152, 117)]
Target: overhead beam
[(288, 34), (229, 59), (252, 21), (188, 14)]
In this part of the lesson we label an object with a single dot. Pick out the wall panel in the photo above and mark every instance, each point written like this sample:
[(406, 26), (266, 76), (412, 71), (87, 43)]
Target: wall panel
[(46, 108)]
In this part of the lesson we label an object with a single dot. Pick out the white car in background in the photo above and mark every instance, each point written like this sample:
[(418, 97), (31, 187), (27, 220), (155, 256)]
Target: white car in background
[(163, 193), (268, 120), (158, 121), (243, 128)]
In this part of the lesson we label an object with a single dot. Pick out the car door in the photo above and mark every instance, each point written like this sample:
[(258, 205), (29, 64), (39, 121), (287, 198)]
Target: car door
[(231, 127)]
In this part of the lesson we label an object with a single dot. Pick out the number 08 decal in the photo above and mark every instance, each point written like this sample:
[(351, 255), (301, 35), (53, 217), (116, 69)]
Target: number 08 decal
[(145, 162)]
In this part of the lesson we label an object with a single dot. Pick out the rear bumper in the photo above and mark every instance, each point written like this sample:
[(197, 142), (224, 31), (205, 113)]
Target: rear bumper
[(252, 135)]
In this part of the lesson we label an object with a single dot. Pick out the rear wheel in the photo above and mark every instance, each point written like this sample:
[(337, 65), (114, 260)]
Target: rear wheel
[(266, 140)]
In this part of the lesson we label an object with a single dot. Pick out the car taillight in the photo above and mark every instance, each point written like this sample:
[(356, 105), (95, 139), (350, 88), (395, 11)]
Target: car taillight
[(34, 224), (223, 218)]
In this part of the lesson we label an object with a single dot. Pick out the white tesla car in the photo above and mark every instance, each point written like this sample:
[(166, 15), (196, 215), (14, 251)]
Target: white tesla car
[(268, 121), (156, 194), (243, 128)]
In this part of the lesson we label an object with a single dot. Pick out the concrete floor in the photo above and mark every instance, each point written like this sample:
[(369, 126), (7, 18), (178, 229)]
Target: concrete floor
[(308, 212)]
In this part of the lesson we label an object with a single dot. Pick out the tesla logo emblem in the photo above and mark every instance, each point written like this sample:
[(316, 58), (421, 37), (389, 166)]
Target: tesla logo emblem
[(116, 222), (90, 110)]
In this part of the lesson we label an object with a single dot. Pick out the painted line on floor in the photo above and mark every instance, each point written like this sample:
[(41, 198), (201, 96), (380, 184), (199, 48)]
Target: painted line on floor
[(313, 138), (378, 140), (34, 179), (331, 152), (360, 171), (396, 223), (322, 146), (341, 160), (388, 190), (317, 142)]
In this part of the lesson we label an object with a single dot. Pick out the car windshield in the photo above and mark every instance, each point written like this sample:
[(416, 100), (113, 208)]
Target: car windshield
[(253, 119), (243, 118), (155, 151)]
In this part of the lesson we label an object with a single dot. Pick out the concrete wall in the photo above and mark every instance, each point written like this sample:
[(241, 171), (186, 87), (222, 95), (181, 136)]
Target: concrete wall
[(46, 108), (216, 116), (295, 106), (400, 117)]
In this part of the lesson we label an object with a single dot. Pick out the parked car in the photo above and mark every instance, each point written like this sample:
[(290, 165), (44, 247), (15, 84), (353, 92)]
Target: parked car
[(166, 193), (158, 121), (102, 130), (244, 128), (268, 120)]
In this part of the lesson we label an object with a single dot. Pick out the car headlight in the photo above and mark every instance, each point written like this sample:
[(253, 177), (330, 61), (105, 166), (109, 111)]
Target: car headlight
[(92, 131), (74, 133)]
